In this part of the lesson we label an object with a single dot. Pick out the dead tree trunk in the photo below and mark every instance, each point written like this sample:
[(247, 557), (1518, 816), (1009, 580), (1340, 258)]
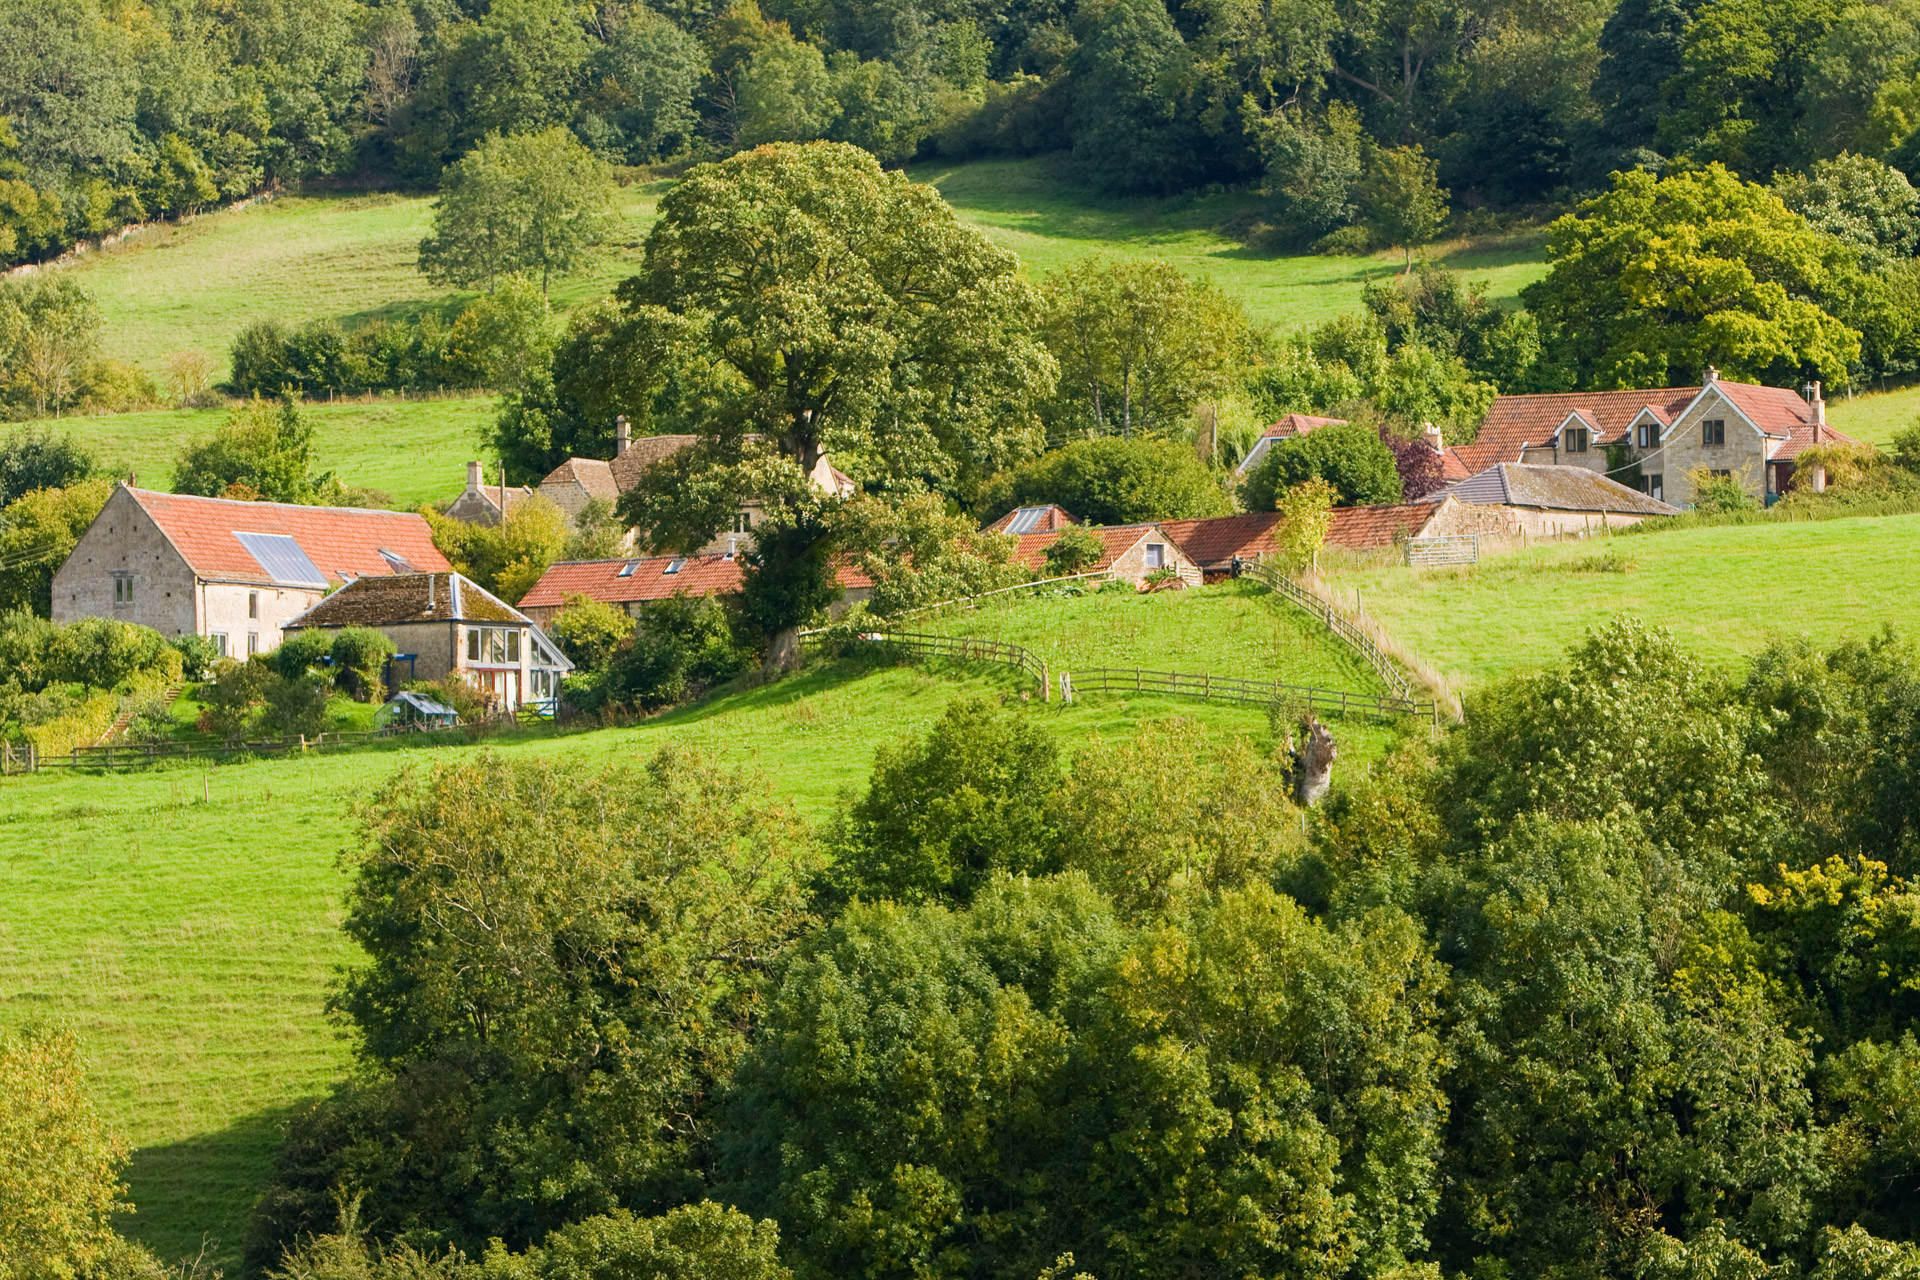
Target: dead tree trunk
[(1313, 763)]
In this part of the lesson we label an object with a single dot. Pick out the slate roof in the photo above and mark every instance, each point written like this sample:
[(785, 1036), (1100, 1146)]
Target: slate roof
[(648, 579), (1033, 520), (642, 453), (1552, 488), (1381, 526), (343, 542), (408, 597)]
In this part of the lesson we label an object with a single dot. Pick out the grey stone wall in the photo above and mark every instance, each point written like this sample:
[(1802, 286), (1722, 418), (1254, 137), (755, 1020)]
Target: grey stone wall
[(123, 541)]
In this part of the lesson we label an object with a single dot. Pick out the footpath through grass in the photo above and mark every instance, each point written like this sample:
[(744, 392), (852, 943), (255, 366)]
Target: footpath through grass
[(186, 920), (412, 450), (1726, 592)]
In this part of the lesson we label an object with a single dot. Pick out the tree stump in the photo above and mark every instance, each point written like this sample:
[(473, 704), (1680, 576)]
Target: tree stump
[(1313, 763)]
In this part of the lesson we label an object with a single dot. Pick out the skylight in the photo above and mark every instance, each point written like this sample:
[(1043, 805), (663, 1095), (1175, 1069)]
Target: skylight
[(282, 559), (1025, 519), (676, 564), (626, 570), (396, 562)]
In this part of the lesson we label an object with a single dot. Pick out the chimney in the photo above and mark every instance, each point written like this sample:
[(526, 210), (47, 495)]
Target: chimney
[(1819, 406), (474, 480), (1711, 376), (622, 435), (1817, 479), (1431, 434)]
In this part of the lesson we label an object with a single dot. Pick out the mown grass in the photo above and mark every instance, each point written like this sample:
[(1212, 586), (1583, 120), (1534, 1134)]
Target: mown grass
[(1233, 629), (414, 451), (1027, 207), (186, 920), (1726, 592), (192, 286), (1873, 418)]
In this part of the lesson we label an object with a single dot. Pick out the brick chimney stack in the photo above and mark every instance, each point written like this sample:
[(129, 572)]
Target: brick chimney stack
[(1431, 434), (622, 435)]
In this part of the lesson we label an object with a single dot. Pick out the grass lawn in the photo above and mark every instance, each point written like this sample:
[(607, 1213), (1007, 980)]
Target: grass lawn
[(1023, 206), (194, 285), (1875, 417), (1232, 629), (1725, 592), (186, 920), (413, 450)]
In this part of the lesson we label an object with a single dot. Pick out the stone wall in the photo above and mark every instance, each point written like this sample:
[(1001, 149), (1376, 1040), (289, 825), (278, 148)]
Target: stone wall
[(124, 542), (1680, 451), (1131, 565)]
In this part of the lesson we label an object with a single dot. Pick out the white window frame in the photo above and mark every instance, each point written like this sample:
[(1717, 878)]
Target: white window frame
[(219, 639), (1156, 555)]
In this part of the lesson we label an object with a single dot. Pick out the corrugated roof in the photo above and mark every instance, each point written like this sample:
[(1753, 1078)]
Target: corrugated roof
[(1033, 520), (342, 542), (408, 597), (1554, 489)]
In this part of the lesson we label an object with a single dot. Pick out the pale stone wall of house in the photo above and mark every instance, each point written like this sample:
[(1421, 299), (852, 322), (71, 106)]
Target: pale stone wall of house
[(123, 541), (564, 494), (431, 643), (240, 611), (1744, 454), (1131, 565), (1490, 520)]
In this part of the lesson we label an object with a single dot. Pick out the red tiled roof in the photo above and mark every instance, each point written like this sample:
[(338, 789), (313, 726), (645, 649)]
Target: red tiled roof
[(1380, 526), (342, 542), (1514, 422), (1116, 541), (1298, 424), (602, 580), (1213, 542), (1780, 412)]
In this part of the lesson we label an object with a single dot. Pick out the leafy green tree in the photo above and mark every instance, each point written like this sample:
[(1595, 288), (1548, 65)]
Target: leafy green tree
[(839, 307), (1116, 481), (590, 632), (49, 330), (1435, 308), (785, 94), (292, 706), (916, 554), (1313, 173), (1658, 278), (1400, 198), (38, 531), (359, 662), (506, 335), (880, 109), (561, 969), (680, 646), (31, 459), (1348, 456), (60, 1166), (1739, 91), (1134, 129), (535, 203), (1867, 204), (506, 558), (105, 653), (644, 80), (946, 811), (1640, 49), (1076, 550), (1307, 507), (1139, 344), (519, 69), (692, 1242), (262, 452)]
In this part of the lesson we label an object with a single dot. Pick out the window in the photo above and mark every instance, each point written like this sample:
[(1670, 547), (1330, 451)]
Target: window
[(219, 639), (1644, 436), (1657, 487), (253, 604), (253, 643), (626, 570), (743, 522), (473, 644), (1713, 431), (513, 646), (1576, 439), (123, 588), (676, 564), (1156, 555), (1719, 474), (495, 646)]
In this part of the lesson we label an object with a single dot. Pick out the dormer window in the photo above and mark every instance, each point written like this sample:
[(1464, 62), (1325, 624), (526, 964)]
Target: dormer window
[(1713, 431), (1644, 435), (1575, 439)]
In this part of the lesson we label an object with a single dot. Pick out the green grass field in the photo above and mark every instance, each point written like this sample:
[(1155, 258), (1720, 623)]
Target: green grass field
[(1233, 629), (1726, 592), (1874, 418), (187, 921), (414, 450)]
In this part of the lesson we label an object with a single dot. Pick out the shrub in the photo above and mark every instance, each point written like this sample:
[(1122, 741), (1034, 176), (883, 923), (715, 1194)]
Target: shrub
[(590, 632), (359, 658), (236, 689), (1076, 550), (1716, 493), (1116, 481), (293, 706), (1349, 456), (102, 653), (300, 653), (681, 645), (197, 655)]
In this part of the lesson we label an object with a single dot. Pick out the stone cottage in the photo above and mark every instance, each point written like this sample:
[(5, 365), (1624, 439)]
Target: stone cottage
[(445, 624), (235, 571)]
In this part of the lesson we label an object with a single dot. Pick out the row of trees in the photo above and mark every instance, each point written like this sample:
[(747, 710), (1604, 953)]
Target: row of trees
[(1515, 1002)]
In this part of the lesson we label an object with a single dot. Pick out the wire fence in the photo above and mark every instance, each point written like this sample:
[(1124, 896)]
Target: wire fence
[(1344, 629)]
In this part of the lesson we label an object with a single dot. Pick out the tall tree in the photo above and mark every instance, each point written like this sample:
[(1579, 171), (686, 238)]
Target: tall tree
[(847, 309), (536, 203)]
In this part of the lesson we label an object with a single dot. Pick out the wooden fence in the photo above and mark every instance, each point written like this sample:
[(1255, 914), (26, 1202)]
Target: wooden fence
[(1211, 688), (131, 755), (1344, 629)]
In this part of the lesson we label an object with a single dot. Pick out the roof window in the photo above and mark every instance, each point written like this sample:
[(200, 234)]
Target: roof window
[(282, 559), (676, 564), (626, 570)]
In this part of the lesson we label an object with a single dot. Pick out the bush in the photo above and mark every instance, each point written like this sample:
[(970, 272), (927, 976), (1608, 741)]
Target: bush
[(1348, 455), (1115, 481), (293, 706), (300, 653), (197, 655), (1076, 550), (1716, 494), (81, 727), (359, 659), (590, 632), (236, 689), (681, 646)]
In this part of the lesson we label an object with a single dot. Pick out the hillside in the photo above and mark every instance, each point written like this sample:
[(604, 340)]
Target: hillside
[(187, 919), (1726, 592)]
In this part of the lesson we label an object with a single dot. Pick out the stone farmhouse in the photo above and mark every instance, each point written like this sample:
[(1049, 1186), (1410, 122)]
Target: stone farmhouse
[(235, 571), (1128, 551), (1750, 433), (445, 624), (578, 481)]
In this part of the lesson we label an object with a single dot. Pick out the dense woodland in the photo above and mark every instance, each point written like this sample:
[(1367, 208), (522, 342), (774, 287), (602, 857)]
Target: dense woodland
[(116, 113)]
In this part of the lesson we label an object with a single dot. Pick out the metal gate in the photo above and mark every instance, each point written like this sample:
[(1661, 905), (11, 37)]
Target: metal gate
[(1458, 549)]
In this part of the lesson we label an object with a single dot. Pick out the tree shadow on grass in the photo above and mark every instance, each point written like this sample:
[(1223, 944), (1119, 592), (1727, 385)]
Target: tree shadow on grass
[(201, 1189)]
